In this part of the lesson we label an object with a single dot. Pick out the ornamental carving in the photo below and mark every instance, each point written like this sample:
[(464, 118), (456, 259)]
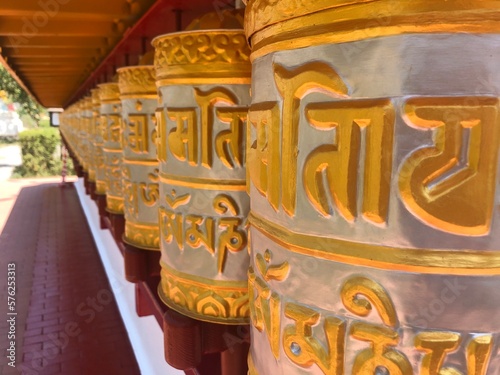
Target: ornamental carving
[(143, 236), (265, 12), (218, 304), (137, 80), (201, 48), (109, 91)]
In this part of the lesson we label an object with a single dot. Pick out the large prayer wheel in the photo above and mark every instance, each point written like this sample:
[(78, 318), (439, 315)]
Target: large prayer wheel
[(203, 79), (100, 168), (111, 120), (373, 157), (92, 133), (83, 147), (141, 193), (67, 129), (84, 140)]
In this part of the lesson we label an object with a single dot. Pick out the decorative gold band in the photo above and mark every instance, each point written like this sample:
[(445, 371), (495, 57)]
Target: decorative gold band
[(109, 92), (112, 150), (143, 236), (91, 175), (147, 162), (326, 22), (199, 71), (111, 101), (114, 205), (100, 187), (204, 299), (138, 80), (428, 261), (139, 96), (203, 183), (187, 54), (232, 80)]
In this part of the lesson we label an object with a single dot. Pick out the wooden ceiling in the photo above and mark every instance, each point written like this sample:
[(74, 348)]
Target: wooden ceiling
[(60, 49)]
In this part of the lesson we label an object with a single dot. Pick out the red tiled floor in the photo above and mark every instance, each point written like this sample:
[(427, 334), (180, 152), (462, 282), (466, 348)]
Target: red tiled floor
[(72, 324)]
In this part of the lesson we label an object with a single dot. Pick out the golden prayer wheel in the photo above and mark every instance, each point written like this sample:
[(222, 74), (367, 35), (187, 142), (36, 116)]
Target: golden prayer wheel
[(100, 167), (88, 140), (373, 160), (203, 80), (69, 127), (73, 137), (92, 133), (75, 131), (65, 128), (82, 136), (141, 192), (111, 119)]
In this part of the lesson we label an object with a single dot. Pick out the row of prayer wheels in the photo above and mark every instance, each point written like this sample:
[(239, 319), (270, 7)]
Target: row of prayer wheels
[(356, 143)]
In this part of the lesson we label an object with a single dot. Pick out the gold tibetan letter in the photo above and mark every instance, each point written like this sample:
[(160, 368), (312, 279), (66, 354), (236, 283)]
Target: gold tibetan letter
[(336, 165), (207, 101), (138, 133), (229, 143), (263, 163), (436, 345), (293, 86), (185, 135), (304, 349), (451, 184), (161, 130)]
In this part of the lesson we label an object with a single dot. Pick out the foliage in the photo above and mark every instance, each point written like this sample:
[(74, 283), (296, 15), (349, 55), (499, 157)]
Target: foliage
[(7, 140), (44, 122), (17, 94), (39, 148)]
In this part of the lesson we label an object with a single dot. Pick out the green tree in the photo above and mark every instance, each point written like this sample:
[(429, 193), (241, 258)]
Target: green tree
[(16, 94)]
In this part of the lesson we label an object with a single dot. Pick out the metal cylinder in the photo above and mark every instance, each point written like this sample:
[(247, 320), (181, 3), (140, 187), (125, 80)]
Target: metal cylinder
[(83, 135), (373, 157), (140, 164), (203, 80), (99, 165), (66, 127), (90, 119), (111, 121)]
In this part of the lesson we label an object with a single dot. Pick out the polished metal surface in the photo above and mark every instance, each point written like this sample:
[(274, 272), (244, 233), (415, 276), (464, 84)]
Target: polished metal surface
[(141, 194), (375, 216), (111, 122), (204, 95)]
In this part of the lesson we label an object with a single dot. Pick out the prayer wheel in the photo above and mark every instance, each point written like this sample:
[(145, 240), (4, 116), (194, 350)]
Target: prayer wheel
[(75, 125), (84, 141), (81, 135), (92, 134), (203, 80), (100, 169), (66, 128), (373, 157), (139, 101), (72, 124), (111, 121), (100, 165)]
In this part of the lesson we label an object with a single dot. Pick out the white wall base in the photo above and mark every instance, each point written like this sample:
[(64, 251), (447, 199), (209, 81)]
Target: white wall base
[(144, 333)]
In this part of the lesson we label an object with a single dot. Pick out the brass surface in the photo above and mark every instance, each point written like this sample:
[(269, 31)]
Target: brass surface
[(204, 299), (373, 150), (202, 78), (285, 25), (142, 235), (137, 81), (201, 54)]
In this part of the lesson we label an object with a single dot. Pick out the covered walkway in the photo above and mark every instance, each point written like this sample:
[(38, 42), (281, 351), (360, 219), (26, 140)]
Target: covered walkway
[(67, 320)]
